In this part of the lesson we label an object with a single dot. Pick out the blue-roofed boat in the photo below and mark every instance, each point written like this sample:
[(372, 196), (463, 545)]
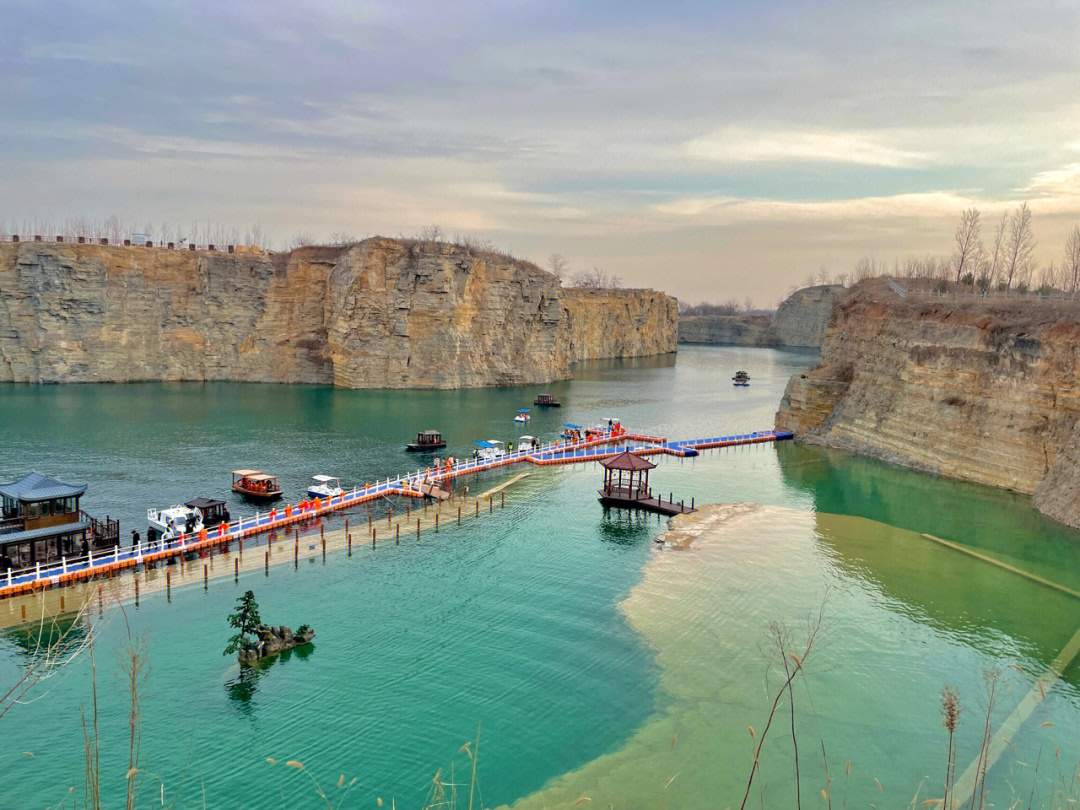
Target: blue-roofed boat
[(522, 415), (571, 432), (489, 450)]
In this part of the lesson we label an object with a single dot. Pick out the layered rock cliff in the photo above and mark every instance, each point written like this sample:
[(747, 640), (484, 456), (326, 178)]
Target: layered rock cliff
[(799, 321), (729, 330), (620, 323), (987, 392), (382, 313), (802, 317)]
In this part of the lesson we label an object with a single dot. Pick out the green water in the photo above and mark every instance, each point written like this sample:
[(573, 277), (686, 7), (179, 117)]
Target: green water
[(548, 624)]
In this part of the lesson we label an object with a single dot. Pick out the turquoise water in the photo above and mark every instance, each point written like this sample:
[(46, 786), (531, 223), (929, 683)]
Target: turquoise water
[(514, 623)]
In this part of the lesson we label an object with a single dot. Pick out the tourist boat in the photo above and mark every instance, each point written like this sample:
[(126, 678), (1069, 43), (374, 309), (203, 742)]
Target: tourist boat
[(522, 415), (527, 442), (168, 524), (606, 425), (571, 432), (324, 486), (212, 510), (256, 485), (741, 378), (489, 450), (426, 440), (547, 401)]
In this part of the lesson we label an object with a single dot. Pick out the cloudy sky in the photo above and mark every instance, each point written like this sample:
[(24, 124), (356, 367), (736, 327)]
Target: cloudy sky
[(713, 150)]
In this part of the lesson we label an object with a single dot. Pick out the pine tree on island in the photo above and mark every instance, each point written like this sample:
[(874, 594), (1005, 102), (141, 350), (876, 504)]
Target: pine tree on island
[(245, 620)]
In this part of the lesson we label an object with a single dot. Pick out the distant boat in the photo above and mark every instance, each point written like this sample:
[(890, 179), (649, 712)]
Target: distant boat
[(256, 485), (571, 432), (522, 415), (741, 378), (547, 401), (426, 440), (324, 486)]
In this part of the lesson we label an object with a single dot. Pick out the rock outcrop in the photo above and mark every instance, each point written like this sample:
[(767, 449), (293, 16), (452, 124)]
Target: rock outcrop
[(729, 330), (274, 640), (983, 391), (800, 320), (620, 323), (382, 313), (802, 317)]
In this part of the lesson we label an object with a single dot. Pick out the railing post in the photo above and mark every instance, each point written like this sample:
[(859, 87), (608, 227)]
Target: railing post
[(63, 564)]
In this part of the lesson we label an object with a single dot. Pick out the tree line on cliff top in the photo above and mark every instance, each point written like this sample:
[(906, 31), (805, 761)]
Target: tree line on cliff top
[(1006, 263)]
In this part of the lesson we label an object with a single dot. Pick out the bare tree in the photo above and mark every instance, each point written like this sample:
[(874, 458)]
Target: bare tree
[(342, 238), (823, 275), (557, 263), (431, 233), (302, 239), (1019, 245), (864, 269), (967, 244), (1049, 279), (1070, 266)]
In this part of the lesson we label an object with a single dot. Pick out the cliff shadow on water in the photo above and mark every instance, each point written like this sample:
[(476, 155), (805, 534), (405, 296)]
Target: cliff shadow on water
[(998, 522)]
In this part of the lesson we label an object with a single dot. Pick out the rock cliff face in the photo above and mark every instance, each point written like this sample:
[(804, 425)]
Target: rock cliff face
[(802, 317), (987, 392), (620, 323), (729, 330), (382, 313), (799, 321)]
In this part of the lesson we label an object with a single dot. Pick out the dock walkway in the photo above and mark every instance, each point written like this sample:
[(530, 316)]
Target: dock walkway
[(410, 485)]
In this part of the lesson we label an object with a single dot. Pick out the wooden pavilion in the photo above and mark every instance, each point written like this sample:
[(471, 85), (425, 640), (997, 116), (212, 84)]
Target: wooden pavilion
[(626, 485)]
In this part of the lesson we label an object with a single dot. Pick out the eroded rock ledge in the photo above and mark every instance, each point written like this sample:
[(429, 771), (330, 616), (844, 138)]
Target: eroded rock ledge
[(382, 313), (986, 391)]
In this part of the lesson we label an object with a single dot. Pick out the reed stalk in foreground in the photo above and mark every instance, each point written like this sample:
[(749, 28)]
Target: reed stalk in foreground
[(950, 719)]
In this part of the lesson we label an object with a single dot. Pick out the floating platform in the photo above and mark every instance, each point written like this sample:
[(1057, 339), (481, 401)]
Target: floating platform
[(657, 505), (108, 563)]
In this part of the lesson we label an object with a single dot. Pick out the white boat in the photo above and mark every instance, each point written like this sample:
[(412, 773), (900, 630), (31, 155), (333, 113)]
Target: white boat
[(522, 415), (170, 523), (324, 486), (527, 442), (489, 450)]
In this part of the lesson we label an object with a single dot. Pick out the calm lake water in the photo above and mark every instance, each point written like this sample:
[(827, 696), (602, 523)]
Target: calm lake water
[(593, 664)]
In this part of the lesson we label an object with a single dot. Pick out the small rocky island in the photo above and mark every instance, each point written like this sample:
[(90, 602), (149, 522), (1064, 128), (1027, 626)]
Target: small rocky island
[(254, 641)]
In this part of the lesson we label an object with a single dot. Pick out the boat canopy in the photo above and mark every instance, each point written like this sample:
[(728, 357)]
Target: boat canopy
[(526, 438), (324, 479), (429, 433), (483, 444), (522, 410), (204, 503), (262, 477), (610, 419), (246, 473), (571, 425)]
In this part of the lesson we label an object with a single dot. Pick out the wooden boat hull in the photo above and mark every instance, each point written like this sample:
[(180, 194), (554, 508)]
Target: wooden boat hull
[(413, 447), (548, 404), (257, 496)]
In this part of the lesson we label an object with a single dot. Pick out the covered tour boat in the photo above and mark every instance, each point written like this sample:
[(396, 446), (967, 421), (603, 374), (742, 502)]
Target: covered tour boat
[(256, 485), (324, 486), (741, 379), (169, 524), (547, 401), (426, 440), (571, 432), (213, 511), (522, 415)]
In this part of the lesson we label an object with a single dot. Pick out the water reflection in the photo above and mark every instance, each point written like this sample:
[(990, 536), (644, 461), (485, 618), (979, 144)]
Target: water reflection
[(624, 527), (242, 689)]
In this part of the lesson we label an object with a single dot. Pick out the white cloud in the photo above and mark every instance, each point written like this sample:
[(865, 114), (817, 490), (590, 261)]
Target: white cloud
[(739, 144)]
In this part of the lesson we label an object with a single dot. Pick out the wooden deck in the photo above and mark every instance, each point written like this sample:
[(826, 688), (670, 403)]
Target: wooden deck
[(622, 498)]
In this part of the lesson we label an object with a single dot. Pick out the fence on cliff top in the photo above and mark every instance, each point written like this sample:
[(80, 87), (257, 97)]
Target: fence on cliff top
[(966, 293)]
